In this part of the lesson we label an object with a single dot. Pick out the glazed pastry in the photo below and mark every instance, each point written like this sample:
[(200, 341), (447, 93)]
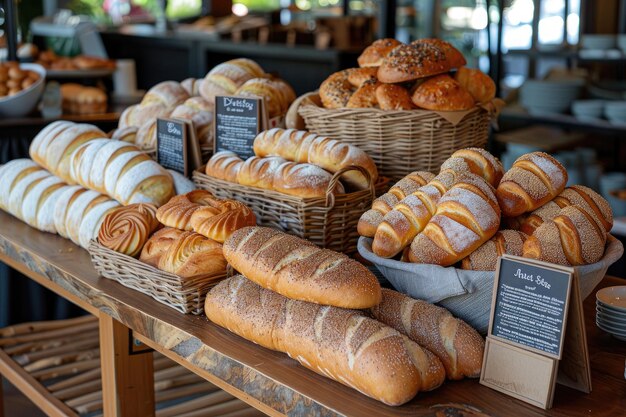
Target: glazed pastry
[(126, 229)]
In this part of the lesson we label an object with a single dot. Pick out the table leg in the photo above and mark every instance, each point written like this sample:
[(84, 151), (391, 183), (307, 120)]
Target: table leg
[(1, 396), (127, 378)]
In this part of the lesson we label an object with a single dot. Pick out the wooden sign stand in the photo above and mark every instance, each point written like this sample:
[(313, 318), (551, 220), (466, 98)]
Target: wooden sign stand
[(177, 145), (528, 317)]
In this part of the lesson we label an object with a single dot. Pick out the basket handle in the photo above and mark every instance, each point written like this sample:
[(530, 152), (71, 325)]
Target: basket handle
[(334, 182)]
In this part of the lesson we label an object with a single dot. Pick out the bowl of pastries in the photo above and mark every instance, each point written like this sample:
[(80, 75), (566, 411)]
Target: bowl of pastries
[(438, 238), (407, 105), (21, 87)]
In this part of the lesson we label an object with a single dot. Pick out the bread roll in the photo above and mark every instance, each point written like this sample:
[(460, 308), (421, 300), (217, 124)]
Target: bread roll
[(200, 113), (485, 258), (126, 229), (193, 256), (369, 221), (336, 90), (573, 238), (374, 54), (329, 154), (61, 208), (442, 93), (459, 347), (227, 77), (177, 212), (38, 204), (221, 219), (10, 174), (298, 269), (303, 180), (590, 201), (341, 344), (533, 180), (467, 216), (477, 161), (393, 97), (478, 84), (358, 76), (365, 96), (277, 94), (158, 244), (453, 55), (528, 223), (41, 141), (224, 165), (167, 93)]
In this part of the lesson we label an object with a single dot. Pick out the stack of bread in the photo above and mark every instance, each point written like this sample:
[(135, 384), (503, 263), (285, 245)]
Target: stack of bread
[(295, 162), (194, 100), (329, 313), (397, 76), (456, 216), (47, 203), (81, 154), (190, 243)]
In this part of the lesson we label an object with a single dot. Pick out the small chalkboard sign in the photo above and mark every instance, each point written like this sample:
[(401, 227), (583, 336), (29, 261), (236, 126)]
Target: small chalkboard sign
[(177, 146), (238, 120), (536, 332)]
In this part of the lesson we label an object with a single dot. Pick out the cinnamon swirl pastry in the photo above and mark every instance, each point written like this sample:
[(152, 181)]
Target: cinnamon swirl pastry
[(219, 221), (126, 229)]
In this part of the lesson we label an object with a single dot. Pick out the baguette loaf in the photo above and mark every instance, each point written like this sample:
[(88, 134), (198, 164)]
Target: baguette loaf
[(458, 346), (343, 345), (224, 165), (332, 155), (298, 269)]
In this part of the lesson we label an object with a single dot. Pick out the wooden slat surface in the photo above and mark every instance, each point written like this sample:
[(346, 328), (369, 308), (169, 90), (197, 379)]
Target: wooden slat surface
[(272, 379)]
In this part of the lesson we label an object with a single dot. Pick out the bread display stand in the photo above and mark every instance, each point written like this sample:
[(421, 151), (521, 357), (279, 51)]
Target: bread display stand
[(329, 222), (468, 294), (403, 141), (183, 294)]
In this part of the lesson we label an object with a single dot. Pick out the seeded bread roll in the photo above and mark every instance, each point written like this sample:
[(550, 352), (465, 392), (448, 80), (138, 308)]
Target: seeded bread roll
[(365, 96), (336, 90), (458, 346), (374, 54), (359, 75), (298, 269), (485, 258), (343, 345)]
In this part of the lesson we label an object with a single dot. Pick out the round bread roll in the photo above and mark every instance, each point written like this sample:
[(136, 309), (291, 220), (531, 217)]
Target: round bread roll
[(359, 75), (393, 97), (364, 96), (478, 84), (442, 93), (336, 90), (374, 54)]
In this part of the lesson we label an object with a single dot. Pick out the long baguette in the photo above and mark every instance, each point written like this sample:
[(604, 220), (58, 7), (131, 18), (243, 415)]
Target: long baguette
[(343, 345), (298, 269), (454, 342)]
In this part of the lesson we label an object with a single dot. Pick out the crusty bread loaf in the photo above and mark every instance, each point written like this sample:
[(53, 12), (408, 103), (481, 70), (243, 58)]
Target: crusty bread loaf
[(277, 94), (477, 161), (485, 258), (300, 270), (37, 149), (126, 229), (191, 86), (330, 154), (442, 93), (374, 54), (369, 221), (224, 165), (38, 204), (227, 77), (158, 244), (303, 180), (200, 113), (467, 216), (458, 346), (534, 179), (84, 216), (572, 238), (341, 344), (590, 201)]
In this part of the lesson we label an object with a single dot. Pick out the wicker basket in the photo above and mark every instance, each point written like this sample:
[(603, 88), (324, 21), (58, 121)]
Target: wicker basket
[(329, 222), (401, 141), (184, 295)]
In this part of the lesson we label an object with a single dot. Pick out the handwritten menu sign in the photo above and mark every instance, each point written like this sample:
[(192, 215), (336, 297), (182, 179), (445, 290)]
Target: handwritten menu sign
[(172, 145), (238, 121), (531, 306)]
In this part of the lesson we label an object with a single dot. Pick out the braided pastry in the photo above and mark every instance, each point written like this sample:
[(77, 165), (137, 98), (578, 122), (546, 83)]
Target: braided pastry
[(218, 221), (177, 212), (126, 229), (158, 244), (369, 221), (467, 216), (533, 180), (193, 256)]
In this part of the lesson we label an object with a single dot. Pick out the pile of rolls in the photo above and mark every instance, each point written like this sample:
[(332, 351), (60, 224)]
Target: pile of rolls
[(472, 212), (329, 313), (183, 237), (397, 76), (194, 100), (295, 162)]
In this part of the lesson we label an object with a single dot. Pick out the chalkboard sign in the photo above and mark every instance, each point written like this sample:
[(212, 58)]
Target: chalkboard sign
[(172, 145), (530, 304), (238, 121)]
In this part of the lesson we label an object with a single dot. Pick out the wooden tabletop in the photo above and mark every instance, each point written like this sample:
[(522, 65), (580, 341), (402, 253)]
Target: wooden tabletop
[(270, 380)]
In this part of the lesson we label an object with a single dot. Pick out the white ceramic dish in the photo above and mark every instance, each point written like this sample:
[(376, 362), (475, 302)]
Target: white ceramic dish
[(611, 329), (25, 101), (613, 297), (610, 318), (608, 309)]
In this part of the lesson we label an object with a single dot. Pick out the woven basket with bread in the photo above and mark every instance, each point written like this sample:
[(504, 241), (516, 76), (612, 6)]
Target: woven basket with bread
[(307, 185), (403, 106), (471, 213)]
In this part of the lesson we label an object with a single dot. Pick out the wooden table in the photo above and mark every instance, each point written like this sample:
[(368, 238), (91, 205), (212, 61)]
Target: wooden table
[(269, 381)]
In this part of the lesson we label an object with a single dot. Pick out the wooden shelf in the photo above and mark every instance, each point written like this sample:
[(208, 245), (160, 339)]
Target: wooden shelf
[(271, 381)]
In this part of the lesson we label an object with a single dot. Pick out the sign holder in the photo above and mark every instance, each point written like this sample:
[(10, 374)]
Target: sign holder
[(237, 122), (539, 339), (177, 145)]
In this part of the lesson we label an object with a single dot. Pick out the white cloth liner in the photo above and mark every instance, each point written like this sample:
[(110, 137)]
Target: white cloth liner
[(467, 294)]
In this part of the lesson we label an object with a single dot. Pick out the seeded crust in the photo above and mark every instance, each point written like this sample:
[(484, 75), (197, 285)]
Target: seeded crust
[(485, 258), (530, 223), (336, 90), (592, 202)]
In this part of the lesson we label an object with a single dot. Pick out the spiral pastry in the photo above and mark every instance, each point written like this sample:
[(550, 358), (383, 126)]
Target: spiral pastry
[(177, 212), (193, 256), (158, 244), (126, 229), (219, 221)]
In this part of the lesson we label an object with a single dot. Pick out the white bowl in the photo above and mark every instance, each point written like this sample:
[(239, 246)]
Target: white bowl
[(25, 101), (598, 41)]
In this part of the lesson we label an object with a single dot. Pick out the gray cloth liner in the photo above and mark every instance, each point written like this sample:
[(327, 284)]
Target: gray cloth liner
[(467, 294)]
